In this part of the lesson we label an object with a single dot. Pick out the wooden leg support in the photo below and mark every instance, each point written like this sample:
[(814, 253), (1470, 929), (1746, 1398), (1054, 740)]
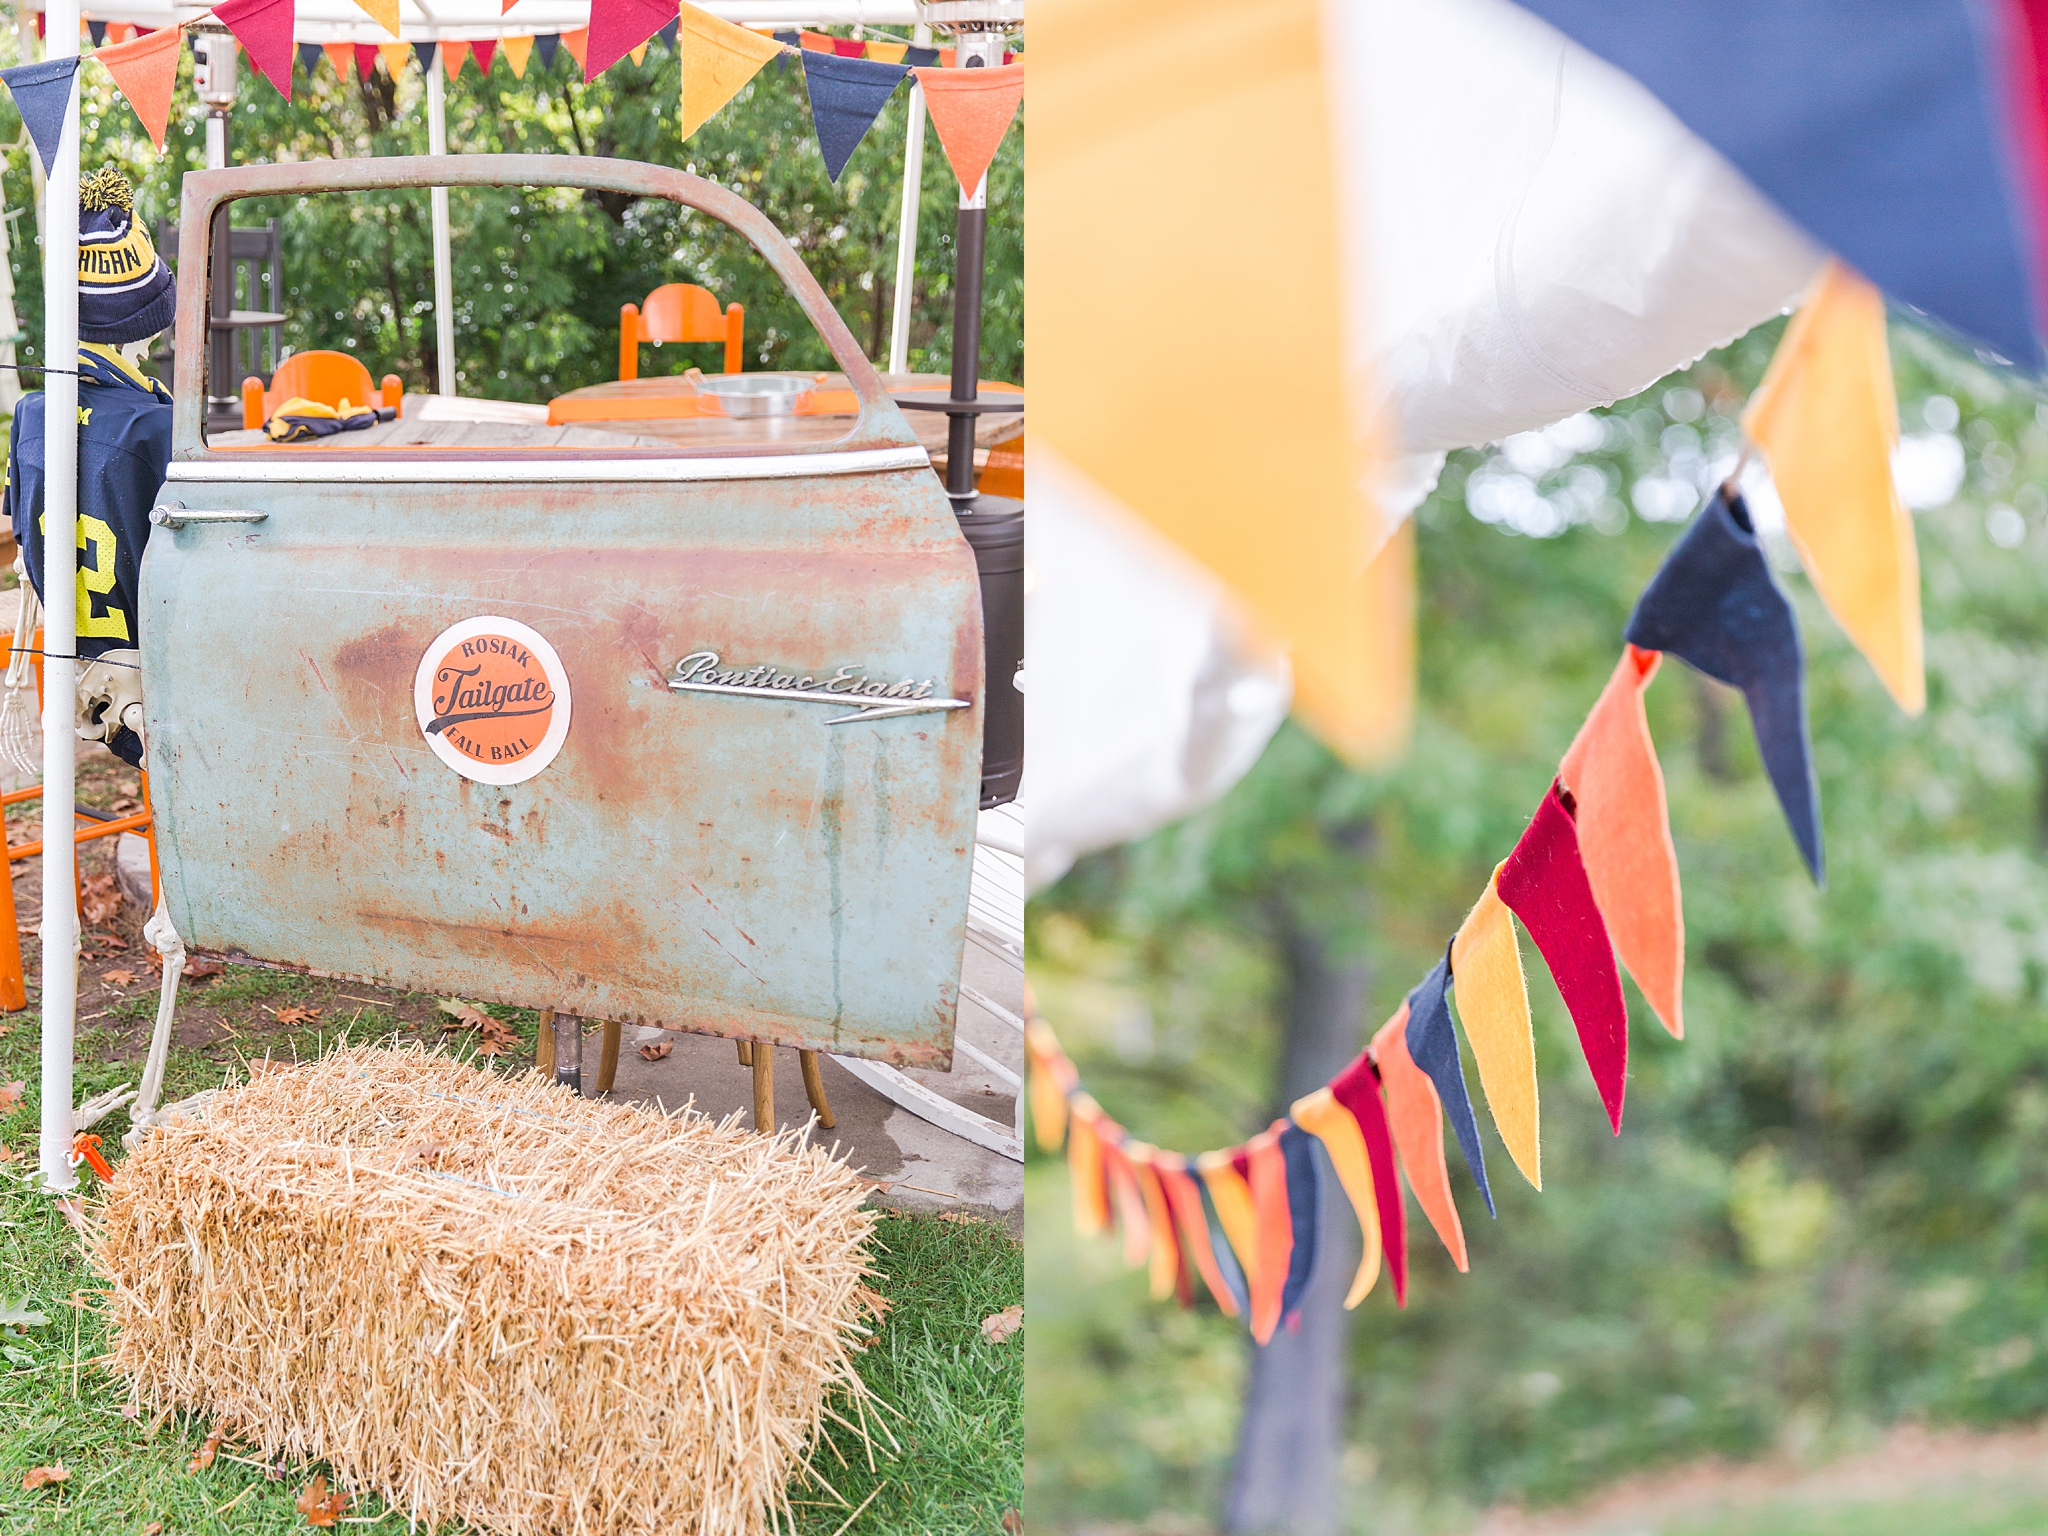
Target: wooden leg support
[(608, 1061), (814, 1087), (746, 1053), (544, 1045), (764, 1089)]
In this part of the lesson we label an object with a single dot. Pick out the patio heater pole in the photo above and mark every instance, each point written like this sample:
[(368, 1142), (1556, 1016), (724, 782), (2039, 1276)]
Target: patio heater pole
[(906, 222), (444, 280), (60, 623), (214, 54)]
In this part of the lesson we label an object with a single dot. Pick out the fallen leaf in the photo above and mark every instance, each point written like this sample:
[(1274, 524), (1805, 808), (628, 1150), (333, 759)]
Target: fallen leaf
[(654, 1050), (119, 978), (8, 1154), (498, 1036), (74, 1213), (297, 1015), (999, 1327), (203, 1457), (262, 1064), (130, 1411), (38, 1477), (126, 803), (19, 1314), (100, 898), (199, 970), (424, 1151), (6, 1030), (1013, 1522), (873, 1300), (10, 1094), (110, 940), (154, 1528), (321, 1508)]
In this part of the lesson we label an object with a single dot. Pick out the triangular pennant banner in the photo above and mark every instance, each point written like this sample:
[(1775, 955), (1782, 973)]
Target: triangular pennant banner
[(1332, 1124), (309, 58), (887, 53), (517, 51), (1714, 605), (1612, 771), (1304, 1209), (453, 56), (1493, 1005), (1123, 1189), (1266, 1176), (1417, 1122), (484, 48), (638, 54), (97, 31), (1167, 1267), (718, 59), (340, 56), (385, 14), (1186, 1201), (850, 47), (41, 93), (1232, 1198), (617, 27), (119, 32), (847, 95), (670, 33), (264, 28), (1543, 882), (1827, 418), (146, 71), (920, 58), (1226, 1261), (1084, 1167), (972, 110), (1357, 1088), (396, 56), (505, 9), (548, 43), (1433, 1046), (578, 44), (815, 42)]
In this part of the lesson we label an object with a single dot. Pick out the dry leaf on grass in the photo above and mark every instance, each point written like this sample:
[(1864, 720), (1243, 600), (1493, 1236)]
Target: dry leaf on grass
[(654, 1050), (873, 1300), (119, 978), (101, 898), (999, 1327), (1013, 1522), (154, 1528), (203, 1457), (496, 1035), (8, 1154), (294, 1014), (199, 970), (6, 1030), (321, 1508), (108, 940), (39, 1477), (10, 1094)]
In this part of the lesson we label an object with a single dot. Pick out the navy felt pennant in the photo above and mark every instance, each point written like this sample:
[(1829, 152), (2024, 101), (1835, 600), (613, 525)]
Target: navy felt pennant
[(309, 55), (424, 52), (1226, 1258), (1303, 1195), (847, 95), (669, 35), (547, 43), (41, 93), (97, 31), (1432, 1044), (1714, 605), (921, 58)]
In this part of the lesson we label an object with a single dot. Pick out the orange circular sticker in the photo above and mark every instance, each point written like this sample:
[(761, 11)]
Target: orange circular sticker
[(492, 700)]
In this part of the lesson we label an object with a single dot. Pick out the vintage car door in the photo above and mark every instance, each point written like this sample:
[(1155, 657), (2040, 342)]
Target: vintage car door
[(687, 739)]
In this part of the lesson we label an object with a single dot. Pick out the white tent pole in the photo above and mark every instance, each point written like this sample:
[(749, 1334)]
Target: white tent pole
[(60, 621), (906, 222), (444, 280)]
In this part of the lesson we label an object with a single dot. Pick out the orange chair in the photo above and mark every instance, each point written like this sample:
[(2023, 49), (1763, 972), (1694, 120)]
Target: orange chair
[(13, 982), (680, 312), (328, 377)]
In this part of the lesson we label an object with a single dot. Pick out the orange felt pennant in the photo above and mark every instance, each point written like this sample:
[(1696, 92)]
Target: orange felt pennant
[(1625, 836), (1492, 998), (516, 51), (817, 42), (1166, 1259), (1417, 1119), (1124, 1195), (1332, 1124), (1268, 1184), (146, 70), (1084, 1167), (971, 110), (453, 57), (340, 55), (1186, 1201), (1052, 1079), (1232, 1198), (578, 44)]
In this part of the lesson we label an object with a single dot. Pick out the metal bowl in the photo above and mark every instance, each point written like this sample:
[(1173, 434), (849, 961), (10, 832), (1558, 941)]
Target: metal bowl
[(755, 394)]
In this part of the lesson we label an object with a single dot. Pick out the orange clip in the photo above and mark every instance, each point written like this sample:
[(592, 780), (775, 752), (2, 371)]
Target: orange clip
[(87, 1146)]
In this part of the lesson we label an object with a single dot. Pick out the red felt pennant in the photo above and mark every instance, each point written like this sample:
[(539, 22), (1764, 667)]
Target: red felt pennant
[(617, 27), (366, 60), (1357, 1088), (1268, 1181), (849, 47), (1544, 883), (1186, 1201), (483, 48), (1123, 1188), (264, 27)]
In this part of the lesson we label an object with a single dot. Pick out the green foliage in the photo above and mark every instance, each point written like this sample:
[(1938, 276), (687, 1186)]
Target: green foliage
[(540, 275), (1828, 1208)]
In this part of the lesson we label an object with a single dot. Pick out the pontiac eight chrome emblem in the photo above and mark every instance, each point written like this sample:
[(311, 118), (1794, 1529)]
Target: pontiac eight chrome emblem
[(700, 672)]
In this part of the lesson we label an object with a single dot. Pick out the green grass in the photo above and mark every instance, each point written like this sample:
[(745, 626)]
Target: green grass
[(1966, 1512), (952, 1401)]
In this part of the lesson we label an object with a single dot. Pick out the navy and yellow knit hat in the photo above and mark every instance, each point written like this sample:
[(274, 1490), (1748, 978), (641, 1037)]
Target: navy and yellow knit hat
[(125, 292)]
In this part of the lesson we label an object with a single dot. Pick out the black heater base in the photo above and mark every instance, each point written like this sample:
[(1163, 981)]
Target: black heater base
[(994, 526)]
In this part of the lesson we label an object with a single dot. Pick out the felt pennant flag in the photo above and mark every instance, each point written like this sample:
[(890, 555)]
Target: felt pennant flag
[(97, 31), (718, 59), (453, 56), (119, 32), (1714, 605), (815, 42), (888, 53), (309, 58), (385, 14), (517, 51), (1167, 1265), (1304, 1210), (1125, 1195), (1624, 829), (1417, 1121), (424, 52), (1544, 883), (264, 27), (1493, 1005), (850, 47), (670, 34), (1827, 419), (638, 54), (340, 55), (578, 44), (617, 27), (971, 110), (1084, 1168), (1226, 1261), (920, 58), (483, 48), (1185, 1198), (1232, 1198), (395, 56), (548, 42), (1052, 1079), (41, 94), (1433, 1046), (505, 7), (1266, 1177), (1332, 1124), (1358, 1089), (847, 95), (146, 70)]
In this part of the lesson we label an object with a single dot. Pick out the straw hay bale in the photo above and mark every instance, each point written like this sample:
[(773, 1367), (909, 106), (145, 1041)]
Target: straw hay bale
[(488, 1299)]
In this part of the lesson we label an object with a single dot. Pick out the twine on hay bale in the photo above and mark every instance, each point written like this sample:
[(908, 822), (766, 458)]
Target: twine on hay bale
[(490, 1300)]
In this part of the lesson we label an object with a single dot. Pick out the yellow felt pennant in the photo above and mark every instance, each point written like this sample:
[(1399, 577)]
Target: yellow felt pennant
[(1084, 1168), (396, 56), (1048, 1091), (1331, 1123), (1232, 1198), (516, 51), (888, 53), (385, 14), (638, 54), (718, 59), (1165, 1270), (1827, 418), (1492, 998)]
